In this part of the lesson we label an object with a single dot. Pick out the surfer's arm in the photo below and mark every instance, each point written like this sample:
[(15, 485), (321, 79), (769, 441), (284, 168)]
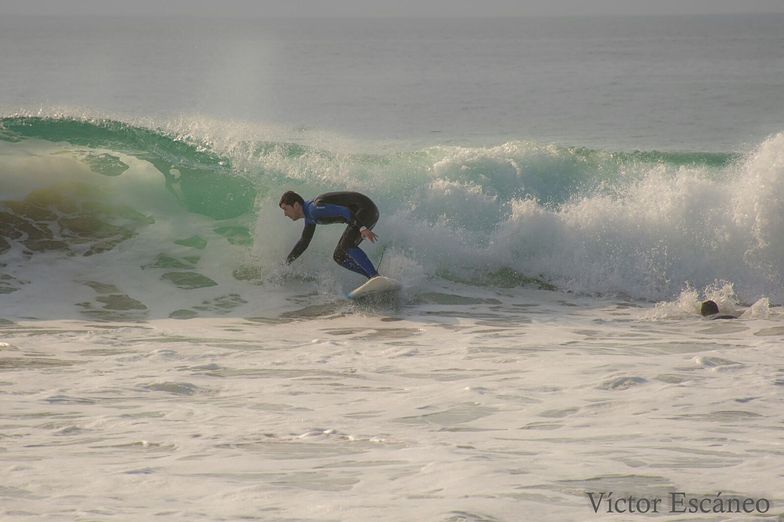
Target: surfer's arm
[(302, 244)]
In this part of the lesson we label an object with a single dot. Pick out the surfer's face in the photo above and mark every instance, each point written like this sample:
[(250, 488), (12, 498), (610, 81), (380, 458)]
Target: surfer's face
[(293, 212)]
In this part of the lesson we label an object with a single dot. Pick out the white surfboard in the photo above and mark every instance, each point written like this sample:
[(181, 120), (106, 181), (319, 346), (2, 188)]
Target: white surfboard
[(374, 287)]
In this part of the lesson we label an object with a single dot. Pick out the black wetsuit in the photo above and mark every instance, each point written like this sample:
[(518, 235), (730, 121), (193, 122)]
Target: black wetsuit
[(353, 208)]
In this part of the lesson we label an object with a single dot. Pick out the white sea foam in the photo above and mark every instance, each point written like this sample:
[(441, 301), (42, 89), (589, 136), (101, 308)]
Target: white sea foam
[(437, 411)]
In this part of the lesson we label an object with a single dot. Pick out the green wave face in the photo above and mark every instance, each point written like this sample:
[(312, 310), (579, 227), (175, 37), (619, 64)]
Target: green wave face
[(206, 182)]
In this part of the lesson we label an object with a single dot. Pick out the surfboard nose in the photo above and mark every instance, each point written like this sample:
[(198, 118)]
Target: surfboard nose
[(376, 285)]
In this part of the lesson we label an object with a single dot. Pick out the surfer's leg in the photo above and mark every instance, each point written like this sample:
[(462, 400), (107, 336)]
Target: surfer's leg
[(350, 256)]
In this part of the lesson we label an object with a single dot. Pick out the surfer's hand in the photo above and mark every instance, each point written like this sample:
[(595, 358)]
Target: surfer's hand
[(368, 234)]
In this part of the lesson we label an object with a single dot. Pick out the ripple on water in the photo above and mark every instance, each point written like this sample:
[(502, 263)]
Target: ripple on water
[(724, 416), (716, 363), (175, 388), (767, 332), (11, 492), (333, 309), (623, 383), (620, 484), (67, 399), (32, 363), (459, 414), (450, 299), (467, 516), (557, 414), (673, 378), (301, 449)]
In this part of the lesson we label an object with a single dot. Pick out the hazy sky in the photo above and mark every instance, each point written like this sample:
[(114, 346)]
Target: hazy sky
[(363, 8)]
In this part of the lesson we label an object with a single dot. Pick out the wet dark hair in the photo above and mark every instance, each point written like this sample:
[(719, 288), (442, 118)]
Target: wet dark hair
[(290, 197), (709, 308)]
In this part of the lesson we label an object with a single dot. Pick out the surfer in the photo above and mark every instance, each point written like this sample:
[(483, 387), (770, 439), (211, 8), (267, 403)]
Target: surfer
[(353, 208)]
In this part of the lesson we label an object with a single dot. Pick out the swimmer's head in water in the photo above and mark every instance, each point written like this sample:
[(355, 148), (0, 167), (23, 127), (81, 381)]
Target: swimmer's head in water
[(709, 308)]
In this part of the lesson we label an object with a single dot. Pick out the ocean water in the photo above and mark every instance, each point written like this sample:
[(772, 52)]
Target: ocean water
[(557, 197)]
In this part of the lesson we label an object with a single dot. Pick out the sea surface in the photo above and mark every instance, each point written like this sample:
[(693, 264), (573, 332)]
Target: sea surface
[(557, 197)]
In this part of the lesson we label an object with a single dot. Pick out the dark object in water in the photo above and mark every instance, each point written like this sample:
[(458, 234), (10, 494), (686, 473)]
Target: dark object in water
[(709, 308)]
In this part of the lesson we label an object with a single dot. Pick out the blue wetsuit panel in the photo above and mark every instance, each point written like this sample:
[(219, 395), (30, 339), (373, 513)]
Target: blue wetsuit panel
[(357, 261), (323, 214)]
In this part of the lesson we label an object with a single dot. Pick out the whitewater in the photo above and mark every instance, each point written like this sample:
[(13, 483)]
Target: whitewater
[(160, 361)]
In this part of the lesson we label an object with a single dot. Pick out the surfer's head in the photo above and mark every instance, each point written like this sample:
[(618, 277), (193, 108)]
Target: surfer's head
[(292, 205), (709, 308)]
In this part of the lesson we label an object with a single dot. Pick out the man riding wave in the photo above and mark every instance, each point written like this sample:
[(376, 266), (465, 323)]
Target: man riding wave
[(352, 208)]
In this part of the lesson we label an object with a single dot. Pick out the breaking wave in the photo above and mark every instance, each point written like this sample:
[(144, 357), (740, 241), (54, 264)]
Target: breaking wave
[(193, 205)]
